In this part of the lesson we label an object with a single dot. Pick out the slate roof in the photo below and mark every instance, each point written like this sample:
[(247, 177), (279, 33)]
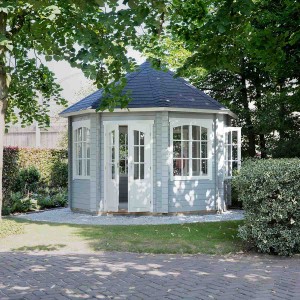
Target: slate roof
[(151, 88)]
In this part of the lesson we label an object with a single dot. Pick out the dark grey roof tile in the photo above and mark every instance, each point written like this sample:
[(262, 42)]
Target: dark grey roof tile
[(153, 88)]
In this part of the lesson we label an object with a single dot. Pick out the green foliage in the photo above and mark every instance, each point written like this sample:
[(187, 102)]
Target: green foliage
[(59, 174), (243, 53), (27, 180), (22, 203), (32, 174), (286, 148), (270, 192), (50, 163), (51, 198)]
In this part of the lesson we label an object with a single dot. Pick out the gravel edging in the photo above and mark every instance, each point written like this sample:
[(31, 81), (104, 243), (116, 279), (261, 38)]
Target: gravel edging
[(66, 216)]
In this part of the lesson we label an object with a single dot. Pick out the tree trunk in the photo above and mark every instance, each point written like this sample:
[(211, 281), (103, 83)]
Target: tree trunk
[(262, 138), (3, 99), (245, 102), (262, 145)]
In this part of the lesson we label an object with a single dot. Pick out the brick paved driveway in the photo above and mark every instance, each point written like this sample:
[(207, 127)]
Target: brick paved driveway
[(134, 276)]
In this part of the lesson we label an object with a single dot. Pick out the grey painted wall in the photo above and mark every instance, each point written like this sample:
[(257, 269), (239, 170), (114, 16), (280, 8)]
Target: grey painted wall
[(80, 190), (192, 195), (168, 196)]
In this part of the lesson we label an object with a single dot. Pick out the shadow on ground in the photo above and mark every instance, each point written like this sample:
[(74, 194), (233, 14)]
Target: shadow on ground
[(125, 275), (54, 247)]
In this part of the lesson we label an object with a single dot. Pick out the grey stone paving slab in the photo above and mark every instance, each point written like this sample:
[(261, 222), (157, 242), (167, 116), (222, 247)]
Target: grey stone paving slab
[(140, 276), (65, 215)]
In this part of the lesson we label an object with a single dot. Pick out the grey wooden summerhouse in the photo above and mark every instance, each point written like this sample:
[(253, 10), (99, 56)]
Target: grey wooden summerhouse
[(171, 152)]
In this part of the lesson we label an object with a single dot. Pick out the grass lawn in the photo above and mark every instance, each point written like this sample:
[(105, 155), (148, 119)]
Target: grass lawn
[(10, 227), (210, 238)]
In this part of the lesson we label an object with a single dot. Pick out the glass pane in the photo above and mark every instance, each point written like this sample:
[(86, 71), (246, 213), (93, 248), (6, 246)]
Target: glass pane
[(234, 152), (185, 167), (142, 175), (136, 171), (228, 139), (88, 171), (185, 132), (196, 133), (79, 150), (136, 137), (84, 152), (113, 154), (234, 137), (142, 153), (176, 149), (79, 134), (80, 167), (113, 171), (112, 138), (84, 134), (84, 167), (234, 165), (204, 149), (185, 149), (76, 135), (229, 168), (196, 167), (204, 134), (177, 167), (88, 151), (136, 157), (229, 152), (177, 133), (204, 167), (142, 137), (87, 135), (196, 149)]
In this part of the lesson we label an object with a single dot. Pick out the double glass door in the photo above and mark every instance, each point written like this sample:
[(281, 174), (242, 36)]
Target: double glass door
[(128, 158)]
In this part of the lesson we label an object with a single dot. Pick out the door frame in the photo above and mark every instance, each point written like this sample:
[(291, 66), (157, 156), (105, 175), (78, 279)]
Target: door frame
[(127, 123)]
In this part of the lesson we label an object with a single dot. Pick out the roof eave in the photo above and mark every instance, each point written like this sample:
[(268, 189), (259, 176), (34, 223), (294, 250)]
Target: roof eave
[(145, 109)]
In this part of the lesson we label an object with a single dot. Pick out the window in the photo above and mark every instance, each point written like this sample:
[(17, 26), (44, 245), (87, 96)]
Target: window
[(191, 150), (232, 150), (81, 149), (138, 155)]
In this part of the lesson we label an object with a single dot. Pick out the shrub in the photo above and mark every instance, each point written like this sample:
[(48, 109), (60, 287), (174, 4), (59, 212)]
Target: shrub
[(51, 198), (27, 180), (59, 174), (270, 192), (50, 163), (21, 203), (43, 160)]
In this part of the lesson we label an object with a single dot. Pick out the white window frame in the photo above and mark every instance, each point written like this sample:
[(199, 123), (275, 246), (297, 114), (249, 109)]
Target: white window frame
[(226, 144), (190, 122), (75, 126)]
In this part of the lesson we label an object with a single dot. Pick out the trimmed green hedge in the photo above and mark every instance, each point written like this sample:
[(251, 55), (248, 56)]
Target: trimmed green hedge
[(270, 192), (51, 164)]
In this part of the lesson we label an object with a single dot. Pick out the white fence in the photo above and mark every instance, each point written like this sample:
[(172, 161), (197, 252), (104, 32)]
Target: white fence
[(32, 136)]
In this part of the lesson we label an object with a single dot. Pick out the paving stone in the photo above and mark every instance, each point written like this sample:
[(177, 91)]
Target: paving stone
[(139, 276)]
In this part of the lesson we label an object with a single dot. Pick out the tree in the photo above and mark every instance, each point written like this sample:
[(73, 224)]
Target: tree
[(84, 33), (245, 54)]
